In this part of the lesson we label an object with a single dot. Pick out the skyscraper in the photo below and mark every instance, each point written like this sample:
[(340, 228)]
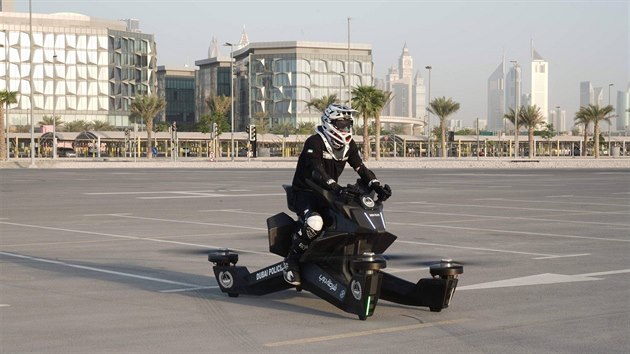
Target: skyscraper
[(513, 87), (408, 90), (540, 84), (586, 93), (496, 98)]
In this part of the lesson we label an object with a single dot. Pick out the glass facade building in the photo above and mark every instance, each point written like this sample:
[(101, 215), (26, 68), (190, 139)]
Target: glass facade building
[(177, 87), (213, 79), (276, 80), (76, 67)]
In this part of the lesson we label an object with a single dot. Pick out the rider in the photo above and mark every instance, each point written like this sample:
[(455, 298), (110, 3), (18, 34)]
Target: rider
[(322, 160)]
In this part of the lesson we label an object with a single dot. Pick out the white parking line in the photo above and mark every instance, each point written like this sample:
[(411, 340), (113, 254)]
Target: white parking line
[(537, 219), (490, 249), (134, 238), (189, 289), (214, 196), (236, 211), (511, 207), (189, 222), (99, 270), (542, 234)]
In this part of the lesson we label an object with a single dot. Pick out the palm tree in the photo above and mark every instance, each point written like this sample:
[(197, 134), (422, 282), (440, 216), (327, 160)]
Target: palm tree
[(442, 108), (101, 125), (585, 121), (595, 114), (6, 98), (363, 102), (510, 116), (261, 121), (531, 117), (50, 120), (320, 104), (76, 126), (147, 107), (220, 105), (381, 99)]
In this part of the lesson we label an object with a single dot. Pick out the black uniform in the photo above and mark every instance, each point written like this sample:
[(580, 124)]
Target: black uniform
[(316, 156)]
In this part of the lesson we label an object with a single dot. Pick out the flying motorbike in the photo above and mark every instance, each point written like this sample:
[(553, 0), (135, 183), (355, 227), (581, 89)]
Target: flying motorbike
[(344, 265)]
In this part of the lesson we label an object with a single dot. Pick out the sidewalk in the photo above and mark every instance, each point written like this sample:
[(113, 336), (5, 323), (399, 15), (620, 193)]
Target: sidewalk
[(278, 162)]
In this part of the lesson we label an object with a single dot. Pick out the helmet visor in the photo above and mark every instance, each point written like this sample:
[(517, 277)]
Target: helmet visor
[(344, 125)]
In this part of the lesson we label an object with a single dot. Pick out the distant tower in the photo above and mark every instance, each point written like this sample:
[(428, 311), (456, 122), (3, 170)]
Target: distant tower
[(586, 93), (213, 50), (408, 90), (405, 63), (496, 98), (623, 116), (540, 83), (244, 41), (420, 96), (598, 96), (514, 74)]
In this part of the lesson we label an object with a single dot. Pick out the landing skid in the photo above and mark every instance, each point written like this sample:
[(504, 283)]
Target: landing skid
[(356, 291)]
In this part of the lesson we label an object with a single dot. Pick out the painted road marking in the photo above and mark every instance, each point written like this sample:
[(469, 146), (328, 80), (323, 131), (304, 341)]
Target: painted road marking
[(189, 222), (511, 232), (189, 289), (512, 217), (136, 238), (540, 279), (237, 211), (99, 270), (541, 255), (513, 208), (364, 333), (215, 196), (166, 192)]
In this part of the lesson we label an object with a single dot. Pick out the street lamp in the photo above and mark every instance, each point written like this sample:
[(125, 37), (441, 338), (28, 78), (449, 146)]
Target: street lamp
[(7, 87), (30, 32), (348, 66), (609, 124), (231, 94), (429, 67), (516, 107), (54, 137)]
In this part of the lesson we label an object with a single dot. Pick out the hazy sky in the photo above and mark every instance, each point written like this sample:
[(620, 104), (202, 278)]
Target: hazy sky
[(462, 40)]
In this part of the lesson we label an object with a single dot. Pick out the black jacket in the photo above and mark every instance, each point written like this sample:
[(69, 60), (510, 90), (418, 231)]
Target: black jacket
[(329, 163)]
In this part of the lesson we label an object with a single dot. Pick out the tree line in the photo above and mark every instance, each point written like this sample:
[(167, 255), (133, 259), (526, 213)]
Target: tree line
[(369, 101)]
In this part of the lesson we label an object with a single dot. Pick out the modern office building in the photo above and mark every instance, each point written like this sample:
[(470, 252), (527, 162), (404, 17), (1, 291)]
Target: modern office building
[(558, 118), (213, 78), (76, 67), (408, 90), (598, 96), (177, 87), (540, 84), (513, 89), (496, 99), (587, 93), (274, 81)]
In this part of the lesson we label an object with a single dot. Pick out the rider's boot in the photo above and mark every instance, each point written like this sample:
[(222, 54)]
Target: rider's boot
[(302, 238), (292, 268)]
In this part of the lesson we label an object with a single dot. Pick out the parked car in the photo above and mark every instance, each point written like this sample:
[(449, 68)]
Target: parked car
[(66, 152)]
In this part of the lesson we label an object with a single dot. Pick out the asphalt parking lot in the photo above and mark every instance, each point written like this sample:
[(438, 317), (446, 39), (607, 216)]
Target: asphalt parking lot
[(113, 260)]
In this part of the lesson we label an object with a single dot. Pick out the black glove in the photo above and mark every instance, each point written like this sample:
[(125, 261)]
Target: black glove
[(334, 186), (351, 192), (383, 192)]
